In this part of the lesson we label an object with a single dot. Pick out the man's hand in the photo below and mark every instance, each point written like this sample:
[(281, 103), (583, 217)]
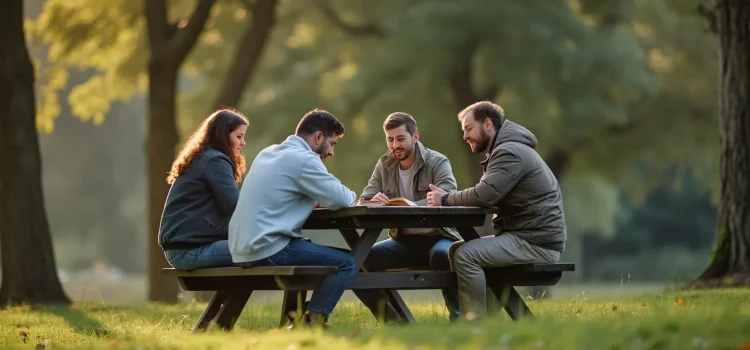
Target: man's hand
[(434, 196), (380, 197)]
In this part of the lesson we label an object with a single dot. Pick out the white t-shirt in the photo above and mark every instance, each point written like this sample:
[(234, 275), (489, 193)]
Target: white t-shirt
[(406, 186), (406, 190)]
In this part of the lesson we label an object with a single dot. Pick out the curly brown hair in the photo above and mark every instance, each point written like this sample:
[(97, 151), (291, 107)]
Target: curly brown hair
[(213, 133)]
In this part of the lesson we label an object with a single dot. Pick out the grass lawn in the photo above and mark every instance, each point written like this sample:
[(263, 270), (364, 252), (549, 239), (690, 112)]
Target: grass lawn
[(670, 320)]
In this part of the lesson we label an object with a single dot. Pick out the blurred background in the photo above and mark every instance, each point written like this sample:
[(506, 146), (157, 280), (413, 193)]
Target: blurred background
[(622, 95)]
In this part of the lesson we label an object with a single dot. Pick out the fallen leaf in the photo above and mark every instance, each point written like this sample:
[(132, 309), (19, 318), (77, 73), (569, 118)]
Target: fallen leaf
[(42, 344)]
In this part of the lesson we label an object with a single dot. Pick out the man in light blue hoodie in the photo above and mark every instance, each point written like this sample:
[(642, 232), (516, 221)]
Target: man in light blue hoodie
[(280, 191)]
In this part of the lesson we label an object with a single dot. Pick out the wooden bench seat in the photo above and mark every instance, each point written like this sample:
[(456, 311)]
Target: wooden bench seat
[(234, 285), (308, 277)]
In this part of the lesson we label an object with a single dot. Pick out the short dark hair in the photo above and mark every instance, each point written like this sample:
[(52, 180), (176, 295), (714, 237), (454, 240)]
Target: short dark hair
[(320, 120), (395, 120), (483, 110)]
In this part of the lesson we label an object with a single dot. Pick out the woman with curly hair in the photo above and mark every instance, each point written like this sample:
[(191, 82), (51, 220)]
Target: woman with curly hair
[(205, 179)]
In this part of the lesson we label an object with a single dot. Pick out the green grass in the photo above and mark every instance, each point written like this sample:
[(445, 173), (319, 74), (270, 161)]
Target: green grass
[(670, 320)]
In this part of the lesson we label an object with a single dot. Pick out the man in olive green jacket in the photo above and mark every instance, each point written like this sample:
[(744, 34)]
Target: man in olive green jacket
[(530, 225), (407, 170)]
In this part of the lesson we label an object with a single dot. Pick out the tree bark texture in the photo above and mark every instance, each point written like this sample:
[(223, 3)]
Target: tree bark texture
[(29, 273), (169, 47), (730, 263)]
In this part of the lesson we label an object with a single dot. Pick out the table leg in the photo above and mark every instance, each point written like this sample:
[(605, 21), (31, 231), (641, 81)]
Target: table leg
[(361, 247), (294, 302), (512, 302), (210, 313), (231, 309), (467, 233)]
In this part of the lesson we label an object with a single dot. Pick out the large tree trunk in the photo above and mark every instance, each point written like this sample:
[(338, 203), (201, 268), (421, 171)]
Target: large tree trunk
[(169, 48), (29, 274), (161, 142), (730, 264)]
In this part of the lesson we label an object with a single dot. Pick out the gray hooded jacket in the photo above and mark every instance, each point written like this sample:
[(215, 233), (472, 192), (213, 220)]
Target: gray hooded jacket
[(518, 182)]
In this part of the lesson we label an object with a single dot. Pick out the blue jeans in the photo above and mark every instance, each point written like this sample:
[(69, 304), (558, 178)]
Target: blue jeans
[(409, 251), (300, 252), (214, 254)]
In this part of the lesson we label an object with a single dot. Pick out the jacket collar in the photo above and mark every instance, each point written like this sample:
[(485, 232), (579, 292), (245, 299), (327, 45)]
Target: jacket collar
[(391, 163), (493, 144), (298, 141)]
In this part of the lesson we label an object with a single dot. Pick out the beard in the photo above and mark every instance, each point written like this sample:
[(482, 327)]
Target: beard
[(483, 143), (322, 151), (406, 152)]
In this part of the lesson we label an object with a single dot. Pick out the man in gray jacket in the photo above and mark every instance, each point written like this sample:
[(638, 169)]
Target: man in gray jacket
[(530, 226), (407, 170)]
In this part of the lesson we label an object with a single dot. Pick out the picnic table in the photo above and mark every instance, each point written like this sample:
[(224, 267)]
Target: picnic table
[(234, 285)]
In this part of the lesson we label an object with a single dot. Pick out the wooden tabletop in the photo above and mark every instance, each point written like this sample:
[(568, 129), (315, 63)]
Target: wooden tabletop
[(399, 210)]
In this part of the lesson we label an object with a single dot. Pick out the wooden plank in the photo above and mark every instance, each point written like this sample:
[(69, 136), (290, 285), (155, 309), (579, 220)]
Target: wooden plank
[(512, 302), (331, 270), (395, 221), (232, 308), (367, 280), (254, 271), (558, 267), (399, 210), (293, 306), (209, 314)]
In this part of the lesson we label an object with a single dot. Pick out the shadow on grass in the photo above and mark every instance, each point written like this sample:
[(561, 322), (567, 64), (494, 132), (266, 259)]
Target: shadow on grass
[(75, 317)]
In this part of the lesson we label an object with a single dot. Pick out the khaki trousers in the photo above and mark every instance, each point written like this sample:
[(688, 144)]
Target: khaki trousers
[(495, 251)]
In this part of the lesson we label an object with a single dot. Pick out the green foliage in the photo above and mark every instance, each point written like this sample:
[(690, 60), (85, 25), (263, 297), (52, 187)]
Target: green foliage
[(103, 37), (613, 83)]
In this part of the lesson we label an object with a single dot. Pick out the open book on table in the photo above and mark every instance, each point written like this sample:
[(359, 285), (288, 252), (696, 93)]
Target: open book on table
[(393, 202)]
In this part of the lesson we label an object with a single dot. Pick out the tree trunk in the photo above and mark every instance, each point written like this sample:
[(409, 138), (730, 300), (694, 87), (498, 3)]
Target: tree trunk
[(169, 47), (730, 264), (161, 142), (249, 52), (29, 274), (465, 94)]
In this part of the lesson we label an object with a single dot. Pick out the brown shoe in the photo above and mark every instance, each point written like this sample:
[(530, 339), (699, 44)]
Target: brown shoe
[(308, 320)]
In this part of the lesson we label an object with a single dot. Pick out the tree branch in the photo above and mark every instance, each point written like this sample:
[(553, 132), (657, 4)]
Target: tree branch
[(156, 22), (710, 15), (364, 29), (185, 38), (249, 52)]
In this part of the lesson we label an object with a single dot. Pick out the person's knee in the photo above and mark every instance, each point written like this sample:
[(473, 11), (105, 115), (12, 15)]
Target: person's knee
[(463, 259), (376, 261), (439, 260), (347, 267)]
